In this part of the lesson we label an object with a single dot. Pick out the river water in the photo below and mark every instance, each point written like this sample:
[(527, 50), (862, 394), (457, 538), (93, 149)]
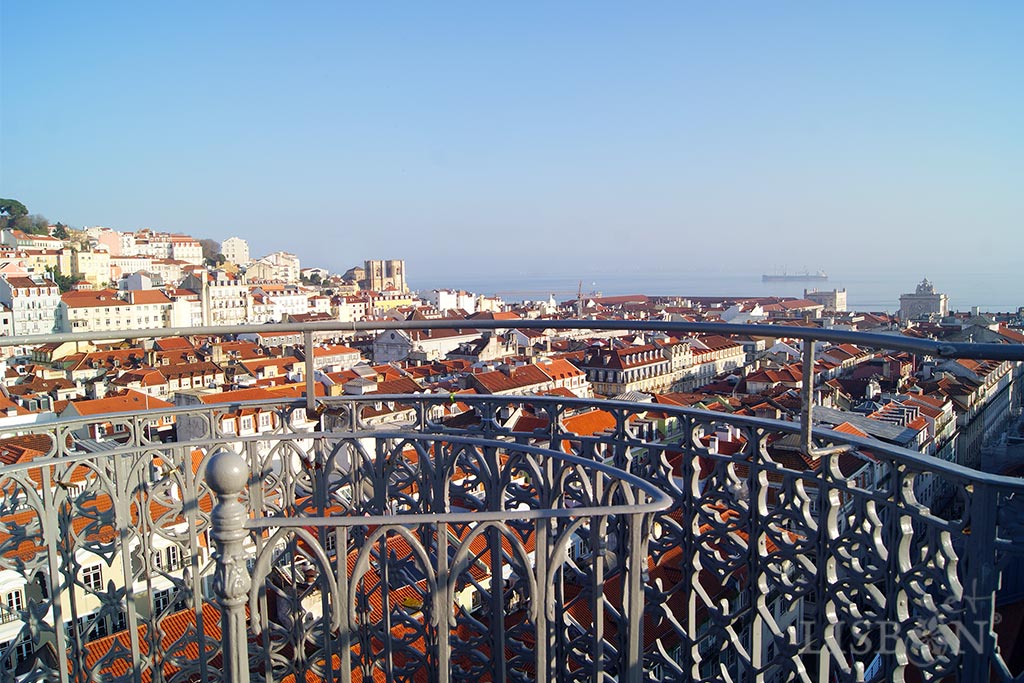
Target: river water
[(867, 290)]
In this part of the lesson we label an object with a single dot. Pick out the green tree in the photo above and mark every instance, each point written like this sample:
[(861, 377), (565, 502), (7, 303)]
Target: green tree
[(10, 211), (211, 248), (12, 208), (33, 224), (61, 232), (63, 282)]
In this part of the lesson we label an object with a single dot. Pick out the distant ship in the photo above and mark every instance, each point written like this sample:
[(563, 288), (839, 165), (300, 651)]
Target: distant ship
[(796, 277)]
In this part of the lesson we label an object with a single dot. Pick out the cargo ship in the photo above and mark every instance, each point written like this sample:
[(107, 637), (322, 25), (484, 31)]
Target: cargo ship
[(796, 277)]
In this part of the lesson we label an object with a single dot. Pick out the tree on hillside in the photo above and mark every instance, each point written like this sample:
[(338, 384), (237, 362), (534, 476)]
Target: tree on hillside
[(63, 282), (210, 248), (33, 224), (14, 214), (11, 209), (61, 232)]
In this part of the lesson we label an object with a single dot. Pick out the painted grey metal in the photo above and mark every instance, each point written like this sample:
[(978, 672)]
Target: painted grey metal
[(747, 540), (280, 491), (894, 341), (501, 522), (310, 369), (807, 396), (228, 474)]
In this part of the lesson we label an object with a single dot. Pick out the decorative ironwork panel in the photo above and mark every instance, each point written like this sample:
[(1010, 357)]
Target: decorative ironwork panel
[(769, 563)]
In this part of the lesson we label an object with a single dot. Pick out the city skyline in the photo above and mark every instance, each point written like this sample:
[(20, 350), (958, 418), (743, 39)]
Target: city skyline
[(491, 139)]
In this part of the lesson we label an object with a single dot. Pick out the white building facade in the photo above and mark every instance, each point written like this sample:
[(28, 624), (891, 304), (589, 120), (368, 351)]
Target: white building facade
[(235, 250), (33, 300)]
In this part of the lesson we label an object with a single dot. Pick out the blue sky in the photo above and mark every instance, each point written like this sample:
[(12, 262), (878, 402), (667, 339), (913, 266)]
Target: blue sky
[(519, 137)]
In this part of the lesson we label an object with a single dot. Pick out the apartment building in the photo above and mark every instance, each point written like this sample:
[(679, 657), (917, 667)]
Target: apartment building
[(91, 266), (225, 296), (167, 246), (108, 310), (235, 250), (22, 240), (284, 299), (33, 300), (280, 266), (616, 370), (452, 299)]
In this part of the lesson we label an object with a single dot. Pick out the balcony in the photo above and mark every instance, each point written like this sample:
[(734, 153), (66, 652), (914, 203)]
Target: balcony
[(443, 544)]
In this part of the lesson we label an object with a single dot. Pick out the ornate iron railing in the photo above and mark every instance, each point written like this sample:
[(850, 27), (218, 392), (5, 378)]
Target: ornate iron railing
[(670, 544)]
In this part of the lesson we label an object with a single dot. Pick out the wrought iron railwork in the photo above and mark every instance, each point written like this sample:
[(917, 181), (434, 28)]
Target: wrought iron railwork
[(771, 560)]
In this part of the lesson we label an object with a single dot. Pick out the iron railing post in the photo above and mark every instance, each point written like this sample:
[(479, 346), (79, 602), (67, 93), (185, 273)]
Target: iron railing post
[(981, 578), (634, 602), (307, 340), (807, 397), (227, 474)]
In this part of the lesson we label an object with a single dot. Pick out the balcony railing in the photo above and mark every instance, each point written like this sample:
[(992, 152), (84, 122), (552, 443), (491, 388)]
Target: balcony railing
[(669, 544)]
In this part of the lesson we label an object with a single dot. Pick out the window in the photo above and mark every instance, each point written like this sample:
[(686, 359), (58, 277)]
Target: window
[(161, 600), (98, 626), (15, 601), (119, 622), (92, 577), (173, 557), (23, 649)]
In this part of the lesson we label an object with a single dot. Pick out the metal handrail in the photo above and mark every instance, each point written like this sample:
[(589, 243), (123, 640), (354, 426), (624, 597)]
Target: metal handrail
[(897, 342), (903, 455), (969, 350), (659, 500)]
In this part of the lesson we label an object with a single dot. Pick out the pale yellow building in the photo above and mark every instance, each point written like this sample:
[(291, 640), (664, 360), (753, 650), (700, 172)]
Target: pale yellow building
[(93, 266), (41, 260)]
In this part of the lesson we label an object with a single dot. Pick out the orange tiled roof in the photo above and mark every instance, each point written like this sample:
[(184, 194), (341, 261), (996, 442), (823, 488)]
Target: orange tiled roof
[(129, 402)]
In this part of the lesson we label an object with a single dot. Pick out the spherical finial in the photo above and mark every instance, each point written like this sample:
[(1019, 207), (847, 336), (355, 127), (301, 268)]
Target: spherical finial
[(227, 473)]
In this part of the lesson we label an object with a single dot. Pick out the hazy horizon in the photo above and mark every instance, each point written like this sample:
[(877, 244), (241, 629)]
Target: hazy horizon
[(484, 140)]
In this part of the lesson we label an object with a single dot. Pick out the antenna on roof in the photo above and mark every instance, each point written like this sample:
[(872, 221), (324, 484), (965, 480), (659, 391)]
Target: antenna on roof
[(579, 301)]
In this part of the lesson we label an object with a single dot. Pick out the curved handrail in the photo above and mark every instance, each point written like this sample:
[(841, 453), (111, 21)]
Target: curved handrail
[(659, 502), (898, 454), (897, 342)]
